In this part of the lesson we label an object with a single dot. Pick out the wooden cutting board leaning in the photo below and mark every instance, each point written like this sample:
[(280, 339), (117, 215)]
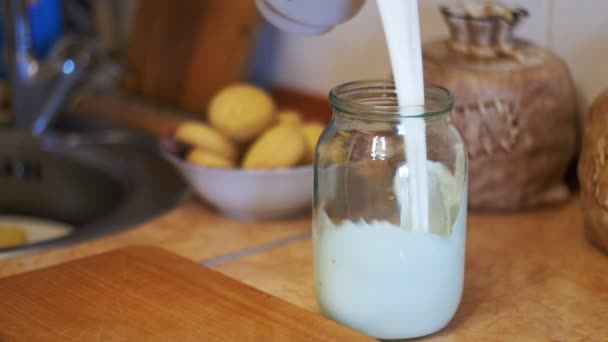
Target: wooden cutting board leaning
[(148, 294)]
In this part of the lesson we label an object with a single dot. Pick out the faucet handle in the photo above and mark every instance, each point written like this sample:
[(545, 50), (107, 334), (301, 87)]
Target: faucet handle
[(64, 68)]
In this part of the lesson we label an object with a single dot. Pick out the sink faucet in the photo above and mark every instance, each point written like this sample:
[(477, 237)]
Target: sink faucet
[(39, 88)]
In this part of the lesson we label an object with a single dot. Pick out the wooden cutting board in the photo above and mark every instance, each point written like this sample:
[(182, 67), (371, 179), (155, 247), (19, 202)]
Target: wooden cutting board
[(148, 294)]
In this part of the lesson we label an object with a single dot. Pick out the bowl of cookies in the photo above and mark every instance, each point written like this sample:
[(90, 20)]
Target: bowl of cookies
[(247, 159)]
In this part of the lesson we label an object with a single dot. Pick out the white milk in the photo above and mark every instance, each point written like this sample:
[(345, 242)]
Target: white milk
[(389, 281)]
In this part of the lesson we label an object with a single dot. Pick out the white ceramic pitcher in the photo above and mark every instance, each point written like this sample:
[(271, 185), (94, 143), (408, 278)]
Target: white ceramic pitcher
[(308, 17)]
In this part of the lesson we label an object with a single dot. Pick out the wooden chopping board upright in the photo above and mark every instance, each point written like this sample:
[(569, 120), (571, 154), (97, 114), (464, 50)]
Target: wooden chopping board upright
[(148, 294), (182, 52)]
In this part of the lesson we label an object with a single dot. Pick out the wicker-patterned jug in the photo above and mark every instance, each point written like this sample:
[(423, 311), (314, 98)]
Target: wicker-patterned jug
[(514, 106)]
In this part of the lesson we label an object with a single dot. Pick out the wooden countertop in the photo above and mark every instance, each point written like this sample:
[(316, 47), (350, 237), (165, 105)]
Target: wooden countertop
[(190, 230), (529, 276)]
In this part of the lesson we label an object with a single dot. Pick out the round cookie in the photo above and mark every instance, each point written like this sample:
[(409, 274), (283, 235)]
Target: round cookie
[(241, 112), (201, 135), (311, 132), (289, 116), (281, 146), (200, 156)]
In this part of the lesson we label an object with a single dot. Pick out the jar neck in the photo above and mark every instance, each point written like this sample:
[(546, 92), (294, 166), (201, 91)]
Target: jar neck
[(376, 101), (362, 118)]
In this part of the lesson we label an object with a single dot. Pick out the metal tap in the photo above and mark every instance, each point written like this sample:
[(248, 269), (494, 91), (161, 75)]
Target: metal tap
[(39, 88)]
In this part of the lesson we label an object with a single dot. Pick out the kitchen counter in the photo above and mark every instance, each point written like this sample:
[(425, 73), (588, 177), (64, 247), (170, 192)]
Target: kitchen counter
[(529, 276), (190, 230)]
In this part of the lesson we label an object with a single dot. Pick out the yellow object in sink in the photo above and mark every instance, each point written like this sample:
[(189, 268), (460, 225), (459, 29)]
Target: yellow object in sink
[(11, 235)]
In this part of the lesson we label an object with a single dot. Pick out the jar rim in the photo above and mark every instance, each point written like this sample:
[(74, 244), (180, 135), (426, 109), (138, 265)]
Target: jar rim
[(379, 97)]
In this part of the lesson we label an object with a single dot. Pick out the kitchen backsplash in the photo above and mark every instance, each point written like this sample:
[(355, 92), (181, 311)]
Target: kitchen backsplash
[(577, 31)]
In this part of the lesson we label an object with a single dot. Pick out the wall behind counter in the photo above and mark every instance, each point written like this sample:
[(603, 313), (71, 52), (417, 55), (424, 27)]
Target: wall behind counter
[(576, 30)]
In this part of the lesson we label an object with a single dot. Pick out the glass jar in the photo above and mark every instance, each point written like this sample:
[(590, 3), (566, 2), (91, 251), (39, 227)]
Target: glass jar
[(373, 271)]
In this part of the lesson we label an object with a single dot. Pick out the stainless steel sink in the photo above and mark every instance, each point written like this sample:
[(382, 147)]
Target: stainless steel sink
[(98, 179)]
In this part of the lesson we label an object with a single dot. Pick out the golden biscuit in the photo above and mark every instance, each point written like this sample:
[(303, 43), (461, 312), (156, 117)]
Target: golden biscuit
[(289, 116), (241, 112), (11, 235), (201, 135), (312, 132), (281, 146), (200, 156)]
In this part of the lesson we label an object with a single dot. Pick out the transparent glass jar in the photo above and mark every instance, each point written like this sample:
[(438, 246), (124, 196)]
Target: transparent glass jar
[(373, 271)]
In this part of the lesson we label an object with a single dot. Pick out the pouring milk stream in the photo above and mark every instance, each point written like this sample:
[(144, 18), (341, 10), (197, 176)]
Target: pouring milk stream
[(402, 31)]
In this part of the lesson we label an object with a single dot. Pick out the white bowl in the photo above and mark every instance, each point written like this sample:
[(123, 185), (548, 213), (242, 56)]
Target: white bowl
[(251, 194)]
